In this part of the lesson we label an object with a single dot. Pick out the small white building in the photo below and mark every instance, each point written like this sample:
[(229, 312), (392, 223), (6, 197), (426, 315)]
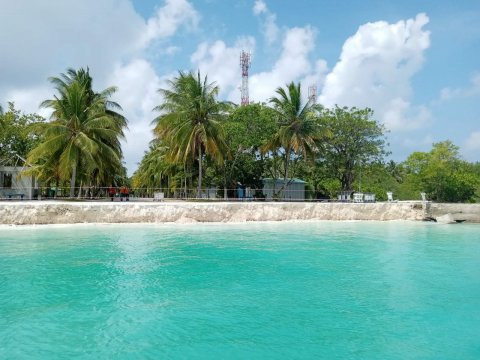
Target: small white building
[(294, 190), (16, 187)]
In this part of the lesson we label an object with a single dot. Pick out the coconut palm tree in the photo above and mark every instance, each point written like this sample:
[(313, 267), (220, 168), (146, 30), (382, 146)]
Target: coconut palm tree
[(84, 131), (191, 121), (298, 130)]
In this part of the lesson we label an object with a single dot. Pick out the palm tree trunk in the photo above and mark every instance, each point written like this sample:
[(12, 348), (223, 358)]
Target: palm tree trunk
[(72, 181), (287, 162), (56, 189), (225, 180), (199, 172), (185, 183), (79, 196)]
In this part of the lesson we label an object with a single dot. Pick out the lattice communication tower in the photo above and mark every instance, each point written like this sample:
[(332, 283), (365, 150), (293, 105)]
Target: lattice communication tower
[(312, 94), (245, 61)]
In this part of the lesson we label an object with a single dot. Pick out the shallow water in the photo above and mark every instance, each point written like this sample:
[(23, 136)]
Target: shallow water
[(349, 290)]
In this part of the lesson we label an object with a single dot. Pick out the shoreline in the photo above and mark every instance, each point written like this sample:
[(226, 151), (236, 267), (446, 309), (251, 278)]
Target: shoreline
[(142, 226), (14, 213), (51, 212)]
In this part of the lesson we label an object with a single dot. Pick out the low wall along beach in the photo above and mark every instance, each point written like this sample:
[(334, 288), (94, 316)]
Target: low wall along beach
[(65, 212)]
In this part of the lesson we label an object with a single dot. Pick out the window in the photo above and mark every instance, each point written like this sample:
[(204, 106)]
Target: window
[(7, 181)]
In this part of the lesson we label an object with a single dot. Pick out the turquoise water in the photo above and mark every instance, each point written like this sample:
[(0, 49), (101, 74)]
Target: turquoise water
[(330, 290)]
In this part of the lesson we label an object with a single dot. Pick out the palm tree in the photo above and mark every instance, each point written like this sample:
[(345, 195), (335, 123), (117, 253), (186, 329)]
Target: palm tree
[(190, 123), (84, 131), (298, 131)]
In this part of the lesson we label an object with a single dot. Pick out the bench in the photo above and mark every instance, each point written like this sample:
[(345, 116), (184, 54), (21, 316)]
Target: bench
[(15, 195)]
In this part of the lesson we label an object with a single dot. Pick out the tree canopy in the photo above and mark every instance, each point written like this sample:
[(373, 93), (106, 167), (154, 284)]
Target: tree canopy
[(200, 141), (442, 174), (83, 133), (297, 129), (190, 122), (356, 140), (15, 138)]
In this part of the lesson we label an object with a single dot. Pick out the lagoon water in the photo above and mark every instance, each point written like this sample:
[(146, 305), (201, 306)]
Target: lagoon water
[(331, 290)]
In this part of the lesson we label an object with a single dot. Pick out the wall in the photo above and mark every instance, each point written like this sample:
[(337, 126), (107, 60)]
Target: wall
[(468, 212), (57, 212)]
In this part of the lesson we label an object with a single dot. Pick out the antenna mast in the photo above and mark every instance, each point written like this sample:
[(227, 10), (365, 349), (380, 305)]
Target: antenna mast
[(245, 61)]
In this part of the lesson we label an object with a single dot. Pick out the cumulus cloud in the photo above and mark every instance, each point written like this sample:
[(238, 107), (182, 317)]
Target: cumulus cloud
[(259, 7), (270, 29), (292, 65), (29, 99), (42, 38), (168, 19), (222, 62), (138, 85), (375, 70)]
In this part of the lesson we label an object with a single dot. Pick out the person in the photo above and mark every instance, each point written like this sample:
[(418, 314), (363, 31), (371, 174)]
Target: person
[(111, 192), (124, 194)]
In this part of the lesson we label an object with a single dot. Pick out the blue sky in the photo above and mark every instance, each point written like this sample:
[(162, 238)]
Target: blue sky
[(414, 62)]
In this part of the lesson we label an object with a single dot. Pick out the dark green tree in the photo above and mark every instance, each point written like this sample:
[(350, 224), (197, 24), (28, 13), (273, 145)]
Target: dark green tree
[(442, 174), (16, 139), (356, 140), (247, 129)]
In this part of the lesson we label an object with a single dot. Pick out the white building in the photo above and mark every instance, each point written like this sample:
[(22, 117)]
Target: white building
[(14, 186)]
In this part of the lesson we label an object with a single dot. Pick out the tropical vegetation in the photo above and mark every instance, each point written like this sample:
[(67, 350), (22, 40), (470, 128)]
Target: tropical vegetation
[(190, 123), (298, 133), (82, 139), (200, 142)]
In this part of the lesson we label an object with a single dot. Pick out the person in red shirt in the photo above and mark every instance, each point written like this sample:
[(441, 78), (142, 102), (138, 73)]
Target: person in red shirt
[(111, 192), (124, 193)]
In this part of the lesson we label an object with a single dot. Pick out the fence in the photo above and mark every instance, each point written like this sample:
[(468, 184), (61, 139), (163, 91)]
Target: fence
[(149, 194)]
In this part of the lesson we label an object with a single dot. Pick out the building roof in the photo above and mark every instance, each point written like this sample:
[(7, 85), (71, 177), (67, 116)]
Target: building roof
[(290, 181)]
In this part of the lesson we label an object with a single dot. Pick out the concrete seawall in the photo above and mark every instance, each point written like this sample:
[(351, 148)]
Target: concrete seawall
[(58, 212), (467, 212), (23, 213)]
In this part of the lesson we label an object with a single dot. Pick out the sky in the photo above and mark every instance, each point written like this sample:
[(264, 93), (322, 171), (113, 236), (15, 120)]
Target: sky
[(414, 62)]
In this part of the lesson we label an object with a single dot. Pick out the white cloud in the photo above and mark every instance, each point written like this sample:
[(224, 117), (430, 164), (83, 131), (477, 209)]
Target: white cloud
[(472, 90), (259, 7), (138, 94), (43, 38), (399, 113), (292, 65), (222, 63), (317, 76), (29, 99), (169, 18), (375, 70), (270, 29)]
